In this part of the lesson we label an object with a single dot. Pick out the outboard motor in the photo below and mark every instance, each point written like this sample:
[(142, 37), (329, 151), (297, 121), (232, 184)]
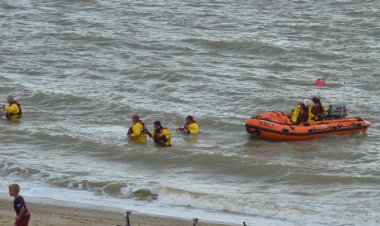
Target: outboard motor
[(337, 110)]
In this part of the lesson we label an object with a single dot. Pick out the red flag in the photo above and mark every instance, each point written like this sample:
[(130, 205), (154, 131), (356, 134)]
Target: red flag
[(320, 82)]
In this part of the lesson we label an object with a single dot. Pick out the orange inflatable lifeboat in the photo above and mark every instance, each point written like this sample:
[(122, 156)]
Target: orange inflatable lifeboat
[(275, 125)]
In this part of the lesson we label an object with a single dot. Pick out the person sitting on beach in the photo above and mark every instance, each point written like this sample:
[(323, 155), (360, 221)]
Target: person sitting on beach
[(300, 113), (23, 215), (137, 131), (161, 135), (190, 127), (13, 110), (316, 110)]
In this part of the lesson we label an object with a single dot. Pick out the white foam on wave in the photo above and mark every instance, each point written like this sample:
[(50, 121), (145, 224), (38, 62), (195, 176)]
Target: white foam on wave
[(288, 213), (165, 206), (181, 203)]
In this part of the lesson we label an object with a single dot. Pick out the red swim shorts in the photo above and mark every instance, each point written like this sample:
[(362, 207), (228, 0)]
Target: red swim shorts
[(22, 222)]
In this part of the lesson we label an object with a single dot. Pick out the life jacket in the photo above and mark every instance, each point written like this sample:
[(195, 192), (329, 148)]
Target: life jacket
[(304, 114), (186, 126), (157, 136), (19, 114), (142, 133), (318, 108)]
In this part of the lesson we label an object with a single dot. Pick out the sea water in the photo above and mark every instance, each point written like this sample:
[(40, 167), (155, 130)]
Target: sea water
[(81, 69)]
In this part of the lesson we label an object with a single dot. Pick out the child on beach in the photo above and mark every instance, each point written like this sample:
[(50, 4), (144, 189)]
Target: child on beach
[(23, 215)]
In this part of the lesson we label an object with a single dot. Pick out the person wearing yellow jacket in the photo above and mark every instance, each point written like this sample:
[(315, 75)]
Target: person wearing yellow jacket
[(137, 131), (190, 127), (13, 110), (301, 112), (316, 110), (161, 135)]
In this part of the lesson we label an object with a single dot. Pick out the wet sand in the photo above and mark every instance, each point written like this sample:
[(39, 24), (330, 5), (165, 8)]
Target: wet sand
[(56, 215)]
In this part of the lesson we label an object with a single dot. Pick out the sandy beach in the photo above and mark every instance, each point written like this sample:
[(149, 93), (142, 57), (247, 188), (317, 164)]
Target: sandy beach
[(56, 215)]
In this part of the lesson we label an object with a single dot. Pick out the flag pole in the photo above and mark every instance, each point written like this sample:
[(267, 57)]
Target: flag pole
[(321, 83), (344, 90)]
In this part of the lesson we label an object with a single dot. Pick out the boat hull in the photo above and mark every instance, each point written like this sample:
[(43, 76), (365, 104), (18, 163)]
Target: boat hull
[(276, 125)]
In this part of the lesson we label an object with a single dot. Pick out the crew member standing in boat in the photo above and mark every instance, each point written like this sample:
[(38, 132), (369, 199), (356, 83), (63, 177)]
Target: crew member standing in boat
[(316, 110), (13, 110), (137, 131), (161, 135), (190, 127), (301, 112)]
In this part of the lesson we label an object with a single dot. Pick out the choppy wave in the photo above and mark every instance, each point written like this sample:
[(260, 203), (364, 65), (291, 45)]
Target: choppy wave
[(81, 69)]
